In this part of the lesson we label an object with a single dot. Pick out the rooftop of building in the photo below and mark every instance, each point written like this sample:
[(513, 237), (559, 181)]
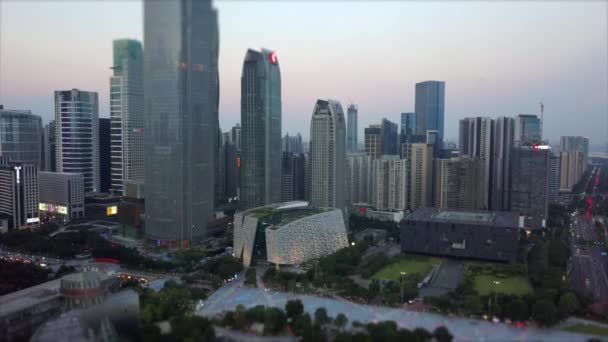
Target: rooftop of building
[(473, 217), (282, 213), (29, 297)]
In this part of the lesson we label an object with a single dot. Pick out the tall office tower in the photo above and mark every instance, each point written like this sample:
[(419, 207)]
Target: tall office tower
[(19, 193), (459, 183), (554, 178), (504, 128), (408, 127), (20, 136), (235, 135), (127, 113), (352, 130), (358, 178), (477, 141), (328, 155), (390, 138), (61, 194), (220, 168), (181, 98), (49, 147), (529, 183), (576, 143), (308, 178), (261, 129), (373, 141), (105, 155), (430, 103), (572, 164), (292, 144), (77, 135), (231, 157), (389, 183), (421, 192), (292, 176), (527, 129)]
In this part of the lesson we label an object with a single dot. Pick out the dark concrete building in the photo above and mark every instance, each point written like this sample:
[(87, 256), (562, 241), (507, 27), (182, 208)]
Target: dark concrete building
[(105, 156), (529, 177), (487, 235)]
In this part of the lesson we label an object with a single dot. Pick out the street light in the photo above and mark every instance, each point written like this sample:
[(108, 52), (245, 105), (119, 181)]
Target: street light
[(402, 276), (352, 243)]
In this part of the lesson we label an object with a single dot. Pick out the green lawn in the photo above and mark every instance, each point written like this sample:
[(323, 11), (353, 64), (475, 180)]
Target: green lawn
[(588, 329), (409, 264), (516, 285)]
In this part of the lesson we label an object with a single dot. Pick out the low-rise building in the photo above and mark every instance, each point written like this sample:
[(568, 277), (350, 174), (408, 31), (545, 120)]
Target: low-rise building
[(288, 233), (61, 195), (487, 235)]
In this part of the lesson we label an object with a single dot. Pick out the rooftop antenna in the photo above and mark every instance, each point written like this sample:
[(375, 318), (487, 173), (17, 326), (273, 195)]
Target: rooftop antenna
[(542, 110)]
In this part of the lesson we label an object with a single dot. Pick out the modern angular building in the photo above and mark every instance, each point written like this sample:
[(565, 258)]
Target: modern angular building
[(553, 178), (504, 128), (527, 129), (127, 113), (486, 235), (261, 129), (390, 138), (77, 135), (61, 195), (105, 155), (373, 141), (181, 98), (352, 129), (328, 155), (408, 127), (19, 194), (293, 177), (288, 233), (429, 107), (529, 183), (20, 136), (49, 147)]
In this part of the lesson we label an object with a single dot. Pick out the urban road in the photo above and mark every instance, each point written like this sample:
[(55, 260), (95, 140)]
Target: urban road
[(589, 268), (233, 294)]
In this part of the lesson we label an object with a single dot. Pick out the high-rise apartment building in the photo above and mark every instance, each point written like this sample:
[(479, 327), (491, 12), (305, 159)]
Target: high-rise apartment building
[(233, 164), (430, 104), (77, 135), (328, 155), (20, 136), (220, 168), (373, 141), (476, 140), (504, 128), (127, 114), (181, 98), (529, 176), (352, 130), (49, 147), (576, 143), (553, 181), (261, 129), (389, 183), (421, 192), (19, 194), (293, 176), (459, 183), (408, 127), (390, 138), (572, 165), (292, 144), (235, 136), (358, 178), (105, 155), (527, 129)]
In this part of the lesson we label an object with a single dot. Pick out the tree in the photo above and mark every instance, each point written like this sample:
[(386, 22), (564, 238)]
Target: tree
[(517, 310), (250, 277), (274, 321), (472, 304), (321, 316), (544, 312), (294, 308), (422, 334), (302, 324), (442, 334), (341, 321), (568, 304)]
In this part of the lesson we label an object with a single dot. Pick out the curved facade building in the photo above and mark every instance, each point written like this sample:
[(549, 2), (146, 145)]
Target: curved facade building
[(288, 233), (261, 130), (20, 136), (181, 98)]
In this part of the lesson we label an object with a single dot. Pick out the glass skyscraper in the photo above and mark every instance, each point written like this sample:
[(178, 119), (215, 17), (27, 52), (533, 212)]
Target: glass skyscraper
[(261, 129), (352, 130), (77, 135), (430, 100), (181, 97), (127, 113), (20, 136), (408, 126), (527, 129)]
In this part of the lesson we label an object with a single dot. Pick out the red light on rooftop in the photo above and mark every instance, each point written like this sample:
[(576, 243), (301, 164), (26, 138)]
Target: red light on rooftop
[(273, 57), (535, 147)]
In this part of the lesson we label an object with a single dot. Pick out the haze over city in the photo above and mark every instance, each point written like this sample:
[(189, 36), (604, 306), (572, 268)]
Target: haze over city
[(497, 58)]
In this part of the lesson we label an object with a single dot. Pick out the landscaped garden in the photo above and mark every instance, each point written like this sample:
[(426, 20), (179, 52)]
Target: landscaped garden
[(410, 264)]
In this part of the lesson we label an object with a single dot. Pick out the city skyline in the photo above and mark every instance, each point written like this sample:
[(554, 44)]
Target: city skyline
[(480, 53)]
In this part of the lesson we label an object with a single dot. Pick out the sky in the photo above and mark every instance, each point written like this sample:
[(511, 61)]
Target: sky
[(497, 58)]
